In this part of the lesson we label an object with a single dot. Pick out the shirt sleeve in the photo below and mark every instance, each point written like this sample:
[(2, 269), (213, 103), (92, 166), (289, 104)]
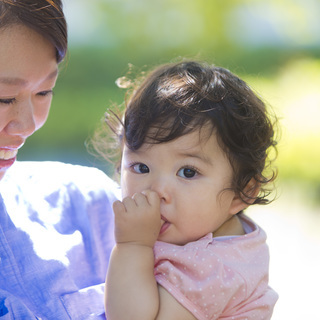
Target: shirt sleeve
[(13, 308), (207, 278), (199, 281), (56, 234)]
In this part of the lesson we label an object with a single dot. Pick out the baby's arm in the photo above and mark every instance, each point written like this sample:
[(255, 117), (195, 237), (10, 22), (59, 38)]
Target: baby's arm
[(131, 288)]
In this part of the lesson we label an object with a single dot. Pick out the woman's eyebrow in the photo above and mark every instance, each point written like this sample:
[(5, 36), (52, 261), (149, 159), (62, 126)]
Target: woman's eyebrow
[(12, 81), (15, 81), (53, 74)]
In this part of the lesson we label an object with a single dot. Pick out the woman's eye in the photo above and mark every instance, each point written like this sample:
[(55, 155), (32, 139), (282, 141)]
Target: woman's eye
[(140, 168), (7, 101), (45, 93), (187, 173)]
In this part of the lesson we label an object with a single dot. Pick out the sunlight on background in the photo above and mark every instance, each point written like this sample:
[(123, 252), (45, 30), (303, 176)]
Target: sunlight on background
[(274, 45), (293, 221)]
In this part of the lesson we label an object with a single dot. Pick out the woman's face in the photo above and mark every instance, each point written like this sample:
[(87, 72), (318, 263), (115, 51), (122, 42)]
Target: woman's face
[(28, 72)]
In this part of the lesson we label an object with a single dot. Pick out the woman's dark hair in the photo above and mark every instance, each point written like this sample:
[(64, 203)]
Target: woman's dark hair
[(176, 99), (44, 16)]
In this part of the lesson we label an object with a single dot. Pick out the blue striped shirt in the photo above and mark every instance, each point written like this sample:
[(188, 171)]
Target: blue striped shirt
[(56, 234)]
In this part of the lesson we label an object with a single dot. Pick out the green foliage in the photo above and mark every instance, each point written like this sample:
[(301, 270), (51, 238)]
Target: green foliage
[(147, 33), (294, 94)]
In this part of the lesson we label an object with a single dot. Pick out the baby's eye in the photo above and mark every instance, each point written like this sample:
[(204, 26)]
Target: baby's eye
[(140, 168), (187, 173)]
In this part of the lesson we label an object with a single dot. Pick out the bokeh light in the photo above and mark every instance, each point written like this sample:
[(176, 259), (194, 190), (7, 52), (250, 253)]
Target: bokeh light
[(274, 45)]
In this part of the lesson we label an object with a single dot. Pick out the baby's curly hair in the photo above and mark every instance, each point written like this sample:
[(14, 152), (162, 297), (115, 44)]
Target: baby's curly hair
[(178, 98)]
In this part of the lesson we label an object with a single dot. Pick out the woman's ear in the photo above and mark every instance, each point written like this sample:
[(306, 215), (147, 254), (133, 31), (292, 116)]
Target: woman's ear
[(247, 197)]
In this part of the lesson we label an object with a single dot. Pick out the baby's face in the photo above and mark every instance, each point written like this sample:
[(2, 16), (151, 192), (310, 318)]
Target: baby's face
[(189, 175)]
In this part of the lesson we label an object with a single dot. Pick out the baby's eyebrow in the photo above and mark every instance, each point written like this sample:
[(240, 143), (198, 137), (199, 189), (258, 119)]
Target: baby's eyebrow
[(197, 155)]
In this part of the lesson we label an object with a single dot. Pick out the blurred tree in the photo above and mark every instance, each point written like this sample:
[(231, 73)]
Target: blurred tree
[(260, 40)]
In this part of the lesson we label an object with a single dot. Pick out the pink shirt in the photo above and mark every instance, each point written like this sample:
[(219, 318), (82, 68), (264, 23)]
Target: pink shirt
[(222, 277)]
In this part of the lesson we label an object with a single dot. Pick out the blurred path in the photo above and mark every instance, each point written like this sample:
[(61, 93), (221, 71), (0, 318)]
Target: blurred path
[(293, 230)]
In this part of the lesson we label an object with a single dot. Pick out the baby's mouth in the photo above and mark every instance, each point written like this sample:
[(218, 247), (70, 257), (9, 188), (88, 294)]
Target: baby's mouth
[(165, 224)]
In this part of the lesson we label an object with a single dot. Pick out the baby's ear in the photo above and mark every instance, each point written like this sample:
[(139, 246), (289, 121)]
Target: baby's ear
[(248, 196)]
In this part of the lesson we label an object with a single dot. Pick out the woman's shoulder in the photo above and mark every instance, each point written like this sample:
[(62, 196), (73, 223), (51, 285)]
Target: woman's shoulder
[(53, 189), (45, 177), (45, 169)]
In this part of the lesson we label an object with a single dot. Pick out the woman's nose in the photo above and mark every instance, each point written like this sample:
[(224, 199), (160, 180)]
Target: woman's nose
[(22, 121)]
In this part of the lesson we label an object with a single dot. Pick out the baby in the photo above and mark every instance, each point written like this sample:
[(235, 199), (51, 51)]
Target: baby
[(194, 145)]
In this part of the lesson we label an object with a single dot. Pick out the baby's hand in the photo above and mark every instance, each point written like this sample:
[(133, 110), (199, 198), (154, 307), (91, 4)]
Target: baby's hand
[(138, 219)]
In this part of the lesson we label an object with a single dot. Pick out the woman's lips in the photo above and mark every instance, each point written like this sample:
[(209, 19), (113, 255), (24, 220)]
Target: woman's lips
[(6, 154), (7, 157)]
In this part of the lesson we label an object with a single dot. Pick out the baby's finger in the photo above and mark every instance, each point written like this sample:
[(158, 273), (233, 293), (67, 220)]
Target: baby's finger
[(140, 199), (129, 203), (118, 207), (152, 197)]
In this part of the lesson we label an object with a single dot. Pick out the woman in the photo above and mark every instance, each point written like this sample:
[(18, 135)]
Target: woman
[(55, 235)]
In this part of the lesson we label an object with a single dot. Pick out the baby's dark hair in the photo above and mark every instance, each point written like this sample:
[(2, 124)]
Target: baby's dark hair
[(179, 98)]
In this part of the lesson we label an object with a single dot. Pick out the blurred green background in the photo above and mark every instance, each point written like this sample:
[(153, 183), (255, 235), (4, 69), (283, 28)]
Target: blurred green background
[(274, 45)]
